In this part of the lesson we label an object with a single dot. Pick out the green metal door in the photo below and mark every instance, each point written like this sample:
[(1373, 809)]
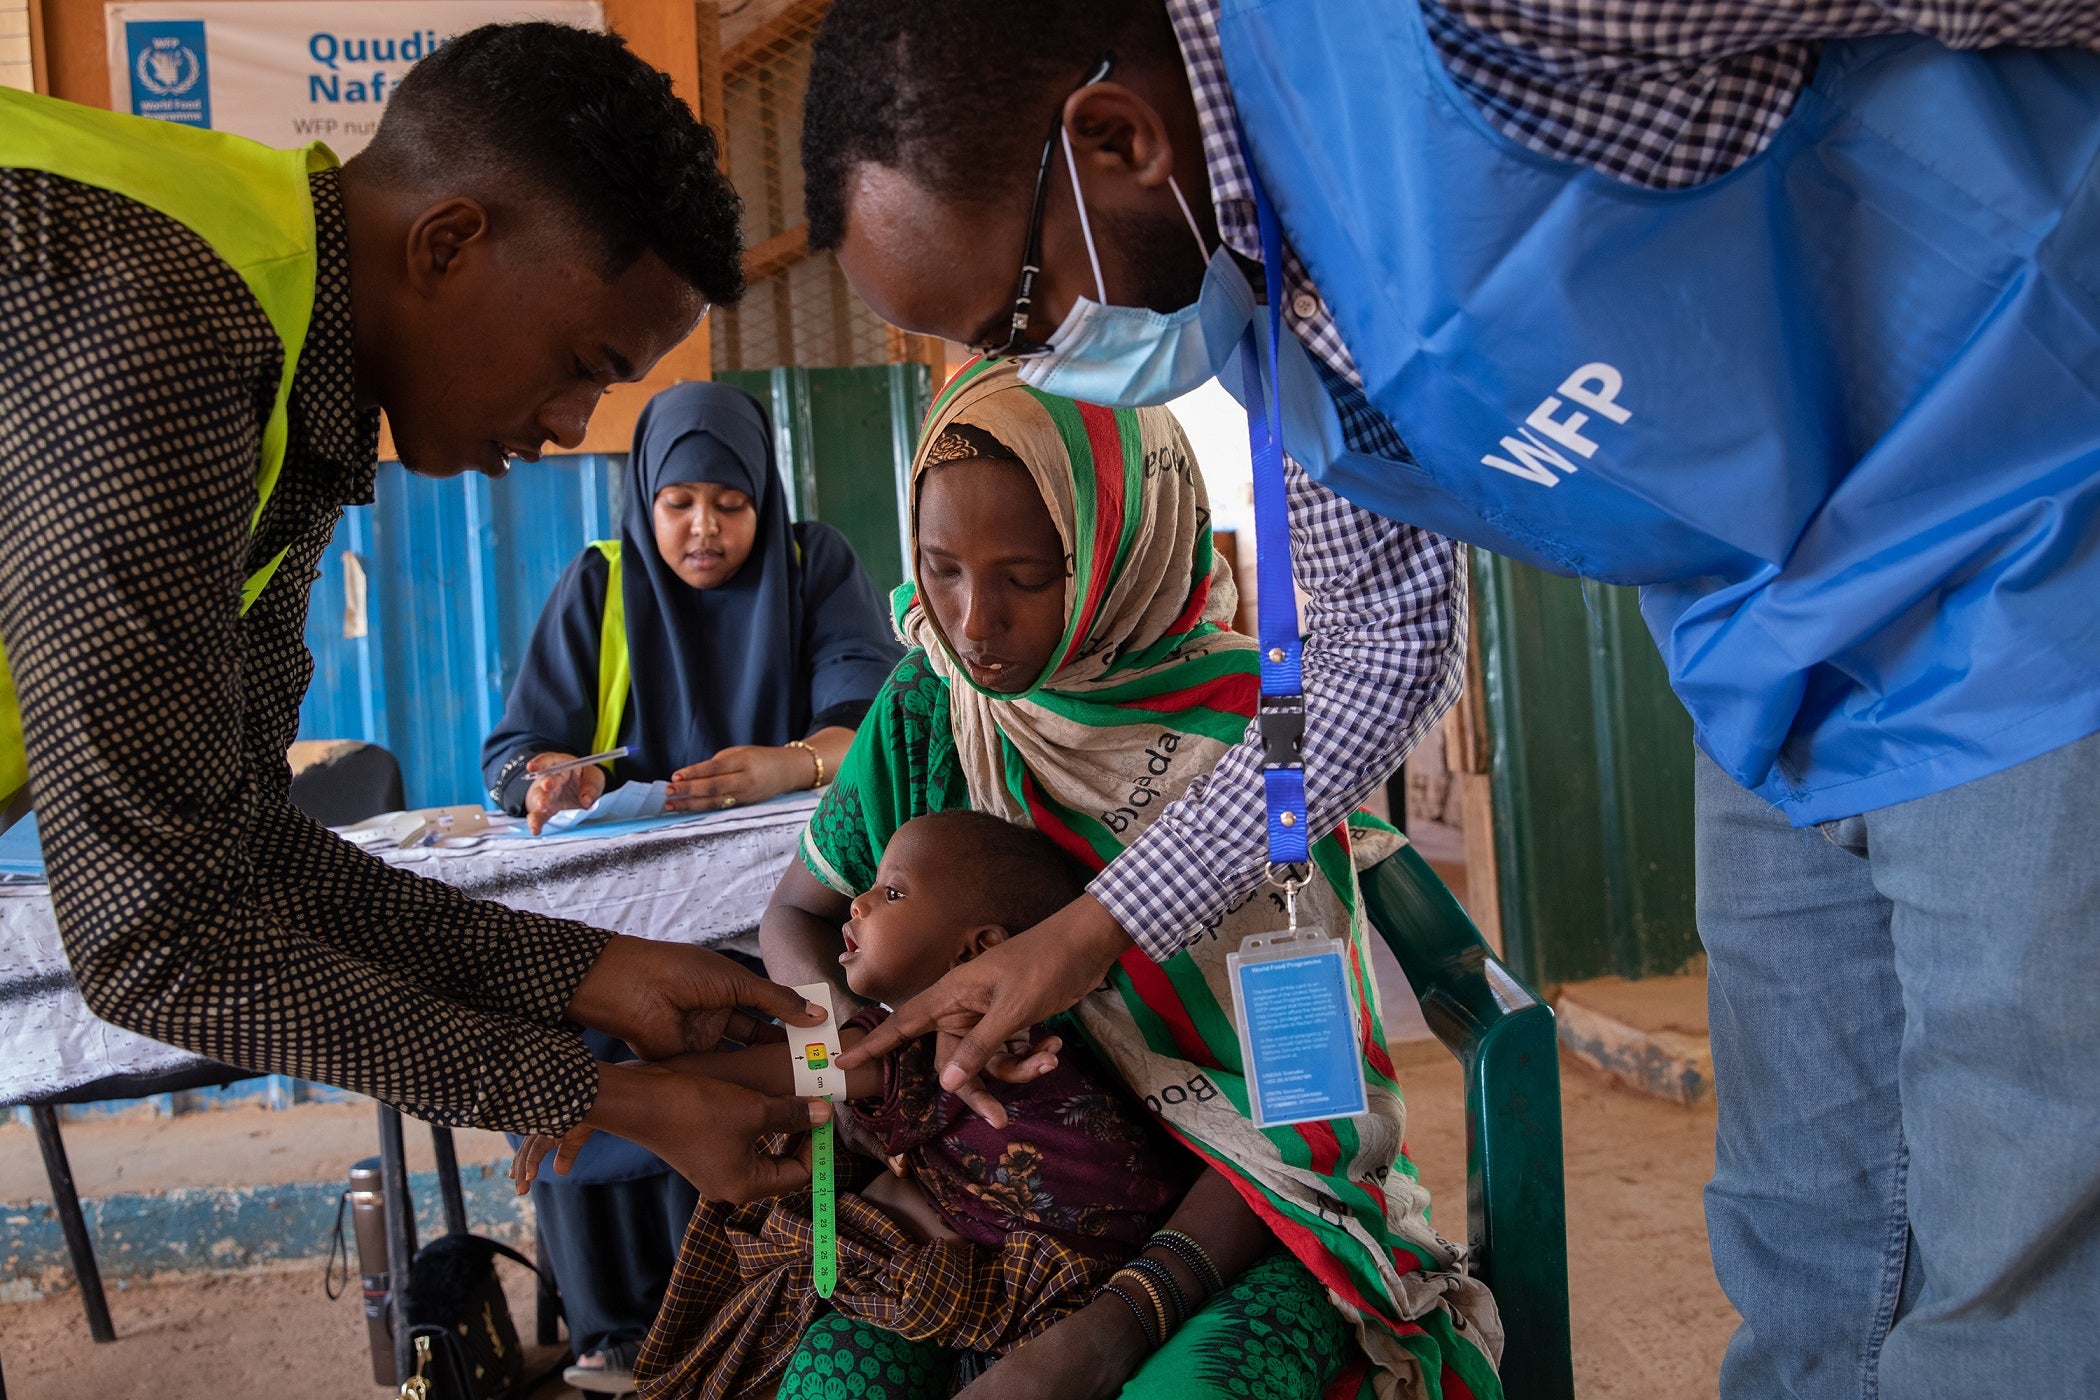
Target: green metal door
[(844, 438), (1592, 779)]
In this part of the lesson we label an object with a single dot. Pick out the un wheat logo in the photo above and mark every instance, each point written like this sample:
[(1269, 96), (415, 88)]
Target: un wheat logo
[(169, 68)]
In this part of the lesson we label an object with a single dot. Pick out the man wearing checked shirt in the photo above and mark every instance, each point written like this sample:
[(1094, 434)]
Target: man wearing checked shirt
[(1904, 1193)]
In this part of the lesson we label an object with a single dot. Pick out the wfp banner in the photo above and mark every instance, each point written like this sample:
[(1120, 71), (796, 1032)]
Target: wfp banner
[(286, 72)]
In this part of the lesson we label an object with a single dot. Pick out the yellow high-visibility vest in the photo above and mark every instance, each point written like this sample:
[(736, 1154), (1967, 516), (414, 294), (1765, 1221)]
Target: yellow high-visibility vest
[(612, 653), (250, 204)]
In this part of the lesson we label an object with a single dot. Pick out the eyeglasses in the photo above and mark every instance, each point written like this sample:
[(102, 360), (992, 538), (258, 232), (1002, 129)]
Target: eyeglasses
[(1018, 345)]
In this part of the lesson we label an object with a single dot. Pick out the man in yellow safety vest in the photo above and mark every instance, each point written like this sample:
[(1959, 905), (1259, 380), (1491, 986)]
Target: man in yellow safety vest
[(197, 335)]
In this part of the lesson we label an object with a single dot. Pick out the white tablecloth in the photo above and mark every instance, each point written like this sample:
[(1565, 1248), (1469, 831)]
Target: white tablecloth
[(703, 881)]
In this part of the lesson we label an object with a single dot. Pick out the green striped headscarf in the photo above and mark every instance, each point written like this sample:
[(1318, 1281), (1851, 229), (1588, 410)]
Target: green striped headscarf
[(1144, 694)]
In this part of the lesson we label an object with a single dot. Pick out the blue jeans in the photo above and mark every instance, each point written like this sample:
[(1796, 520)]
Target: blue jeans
[(1906, 1036)]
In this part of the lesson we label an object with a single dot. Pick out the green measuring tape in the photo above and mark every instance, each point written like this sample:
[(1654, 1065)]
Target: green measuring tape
[(815, 1053), (824, 1211)]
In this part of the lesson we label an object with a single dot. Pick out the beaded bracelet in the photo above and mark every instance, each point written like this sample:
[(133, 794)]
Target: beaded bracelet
[(1164, 1277), (1185, 1249), (1152, 1338), (1152, 1291), (814, 757)]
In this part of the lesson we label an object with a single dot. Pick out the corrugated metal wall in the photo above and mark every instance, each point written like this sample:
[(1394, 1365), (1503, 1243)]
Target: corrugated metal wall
[(1592, 779), (453, 574), (428, 596)]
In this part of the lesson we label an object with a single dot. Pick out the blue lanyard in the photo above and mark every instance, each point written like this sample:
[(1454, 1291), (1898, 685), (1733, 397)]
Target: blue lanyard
[(1282, 713)]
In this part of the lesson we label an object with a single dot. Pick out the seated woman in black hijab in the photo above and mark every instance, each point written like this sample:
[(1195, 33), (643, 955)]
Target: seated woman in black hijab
[(734, 653)]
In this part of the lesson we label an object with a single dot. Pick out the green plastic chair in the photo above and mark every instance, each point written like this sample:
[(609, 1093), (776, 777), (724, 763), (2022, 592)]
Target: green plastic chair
[(1503, 1035)]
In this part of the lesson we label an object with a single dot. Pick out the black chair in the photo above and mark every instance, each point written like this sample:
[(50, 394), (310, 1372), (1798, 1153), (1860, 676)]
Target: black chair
[(347, 782)]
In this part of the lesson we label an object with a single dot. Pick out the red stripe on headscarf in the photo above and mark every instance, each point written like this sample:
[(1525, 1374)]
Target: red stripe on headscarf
[(1326, 1147), (1301, 1242), (1105, 442), (1454, 1388), (1056, 827), (1150, 982), (1349, 1380), (1199, 598), (1376, 1053), (1374, 1049), (1232, 695)]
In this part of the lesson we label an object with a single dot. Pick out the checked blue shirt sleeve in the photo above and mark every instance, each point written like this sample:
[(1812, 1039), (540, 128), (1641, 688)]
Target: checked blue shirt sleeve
[(1385, 620)]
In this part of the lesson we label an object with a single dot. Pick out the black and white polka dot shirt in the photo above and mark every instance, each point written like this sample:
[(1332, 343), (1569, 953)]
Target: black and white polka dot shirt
[(197, 906)]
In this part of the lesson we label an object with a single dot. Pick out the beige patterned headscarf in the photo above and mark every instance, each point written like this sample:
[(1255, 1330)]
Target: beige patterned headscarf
[(1133, 577)]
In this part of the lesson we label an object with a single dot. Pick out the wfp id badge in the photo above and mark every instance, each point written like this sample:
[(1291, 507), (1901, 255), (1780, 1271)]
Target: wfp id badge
[(1297, 1023)]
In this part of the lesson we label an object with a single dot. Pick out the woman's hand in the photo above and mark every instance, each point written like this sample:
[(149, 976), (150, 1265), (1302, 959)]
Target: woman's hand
[(1094, 1351), (1087, 1356), (576, 789), (739, 777), (664, 999), (989, 1001), (532, 1150)]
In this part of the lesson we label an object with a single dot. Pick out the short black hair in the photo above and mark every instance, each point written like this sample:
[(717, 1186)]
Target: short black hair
[(552, 112), (959, 94), (1012, 876)]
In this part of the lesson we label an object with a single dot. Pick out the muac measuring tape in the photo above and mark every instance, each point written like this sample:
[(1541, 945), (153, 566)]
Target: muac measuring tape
[(817, 1076)]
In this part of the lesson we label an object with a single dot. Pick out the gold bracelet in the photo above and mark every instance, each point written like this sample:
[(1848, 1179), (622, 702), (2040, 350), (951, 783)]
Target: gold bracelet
[(814, 757)]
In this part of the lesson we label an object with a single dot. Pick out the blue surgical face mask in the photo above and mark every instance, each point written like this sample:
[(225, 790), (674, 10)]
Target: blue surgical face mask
[(1132, 356)]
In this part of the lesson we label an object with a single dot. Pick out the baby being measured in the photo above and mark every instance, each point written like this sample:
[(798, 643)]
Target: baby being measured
[(968, 1234)]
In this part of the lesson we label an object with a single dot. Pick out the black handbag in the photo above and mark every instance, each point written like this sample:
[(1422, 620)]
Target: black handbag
[(466, 1346)]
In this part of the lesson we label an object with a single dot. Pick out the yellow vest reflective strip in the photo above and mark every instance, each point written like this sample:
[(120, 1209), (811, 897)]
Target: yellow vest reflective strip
[(612, 653), (614, 678), (250, 204)]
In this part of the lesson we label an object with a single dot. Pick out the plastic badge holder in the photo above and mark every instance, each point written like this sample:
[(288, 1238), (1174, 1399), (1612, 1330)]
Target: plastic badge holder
[(816, 1051), (1297, 1024)]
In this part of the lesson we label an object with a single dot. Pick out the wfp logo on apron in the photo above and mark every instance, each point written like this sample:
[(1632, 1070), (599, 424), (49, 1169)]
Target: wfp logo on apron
[(1596, 386)]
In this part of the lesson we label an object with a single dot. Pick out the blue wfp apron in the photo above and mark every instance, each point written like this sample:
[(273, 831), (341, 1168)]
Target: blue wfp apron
[(1838, 411)]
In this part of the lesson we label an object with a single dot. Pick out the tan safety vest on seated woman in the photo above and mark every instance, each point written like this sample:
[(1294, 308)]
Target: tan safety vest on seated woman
[(250, 204)]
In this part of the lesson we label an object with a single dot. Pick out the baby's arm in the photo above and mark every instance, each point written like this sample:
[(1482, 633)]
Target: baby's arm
[(766, 1068)]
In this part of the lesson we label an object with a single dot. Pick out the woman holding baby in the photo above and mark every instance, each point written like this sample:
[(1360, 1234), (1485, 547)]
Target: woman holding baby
[(1070, 671)]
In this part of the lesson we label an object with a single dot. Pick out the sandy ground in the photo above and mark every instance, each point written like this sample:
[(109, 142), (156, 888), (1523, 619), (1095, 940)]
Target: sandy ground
[(229, 1147), (1650, 1322)]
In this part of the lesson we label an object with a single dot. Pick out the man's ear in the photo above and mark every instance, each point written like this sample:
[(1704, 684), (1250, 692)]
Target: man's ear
[(1117, 133), (981, 940), (440, 236)]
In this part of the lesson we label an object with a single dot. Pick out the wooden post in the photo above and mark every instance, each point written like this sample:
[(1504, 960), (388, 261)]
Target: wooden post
[(707, 37), (667, 35), (76, 63), (1468, 753), (42, 82)]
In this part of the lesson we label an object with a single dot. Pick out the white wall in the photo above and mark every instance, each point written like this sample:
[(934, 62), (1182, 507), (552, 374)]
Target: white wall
[(15, 68), (1217, 429)]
